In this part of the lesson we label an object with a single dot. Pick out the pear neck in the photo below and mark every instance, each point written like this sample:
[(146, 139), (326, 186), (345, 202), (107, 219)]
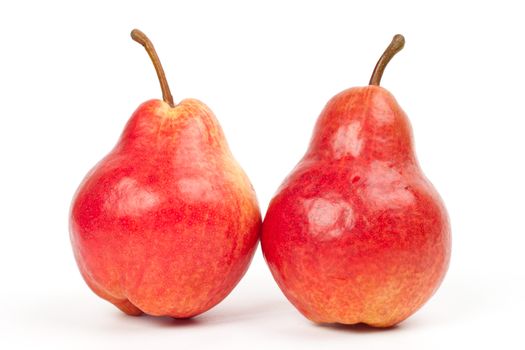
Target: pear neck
[(356, 126)]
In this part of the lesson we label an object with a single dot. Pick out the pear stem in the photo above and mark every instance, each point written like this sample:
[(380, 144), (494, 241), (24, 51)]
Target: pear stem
[(142, 39), (397, 44)]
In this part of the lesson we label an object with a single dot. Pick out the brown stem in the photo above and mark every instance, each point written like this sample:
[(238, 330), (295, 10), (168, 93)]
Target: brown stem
[(398, 42), (142, 39)]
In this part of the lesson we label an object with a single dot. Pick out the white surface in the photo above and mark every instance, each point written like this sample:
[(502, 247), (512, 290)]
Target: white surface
[(70, 77)]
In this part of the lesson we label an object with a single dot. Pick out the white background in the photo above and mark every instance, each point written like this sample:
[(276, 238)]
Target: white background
[(70, 77)]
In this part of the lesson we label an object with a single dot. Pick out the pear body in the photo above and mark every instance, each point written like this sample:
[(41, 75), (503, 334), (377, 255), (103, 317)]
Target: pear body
[(356, 233), (167, 223)]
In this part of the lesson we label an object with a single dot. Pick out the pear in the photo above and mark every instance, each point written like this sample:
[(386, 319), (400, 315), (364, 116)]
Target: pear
[(356, 233), (167, 223)]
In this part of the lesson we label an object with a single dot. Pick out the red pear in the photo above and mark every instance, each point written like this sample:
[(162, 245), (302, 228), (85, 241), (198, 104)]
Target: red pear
[(167, 223), (356, 233)]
